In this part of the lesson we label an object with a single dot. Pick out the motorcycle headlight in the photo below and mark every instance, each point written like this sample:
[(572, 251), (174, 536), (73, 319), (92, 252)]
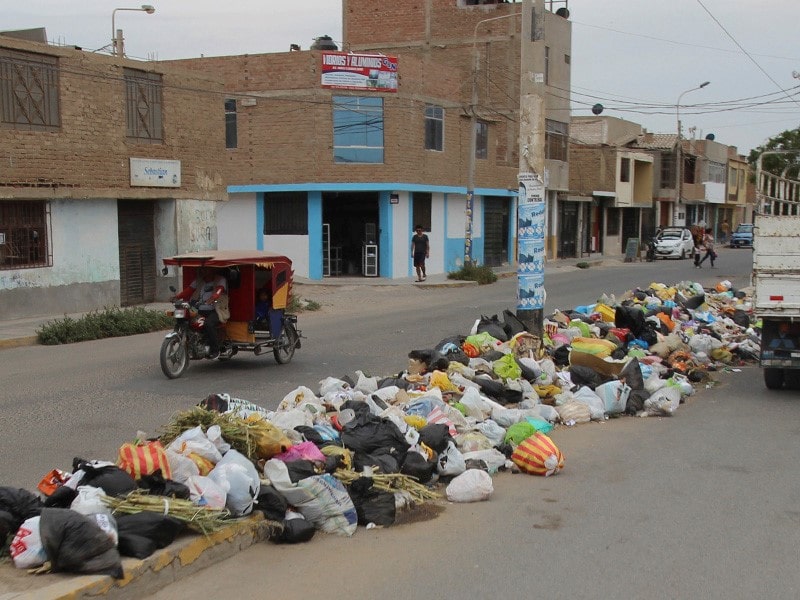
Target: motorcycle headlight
[(179, 313)]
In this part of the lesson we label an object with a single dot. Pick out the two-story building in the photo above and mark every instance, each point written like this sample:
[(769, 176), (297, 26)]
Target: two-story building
[(106, 165)]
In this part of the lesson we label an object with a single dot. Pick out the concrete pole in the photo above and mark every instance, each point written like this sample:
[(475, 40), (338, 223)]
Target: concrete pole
[(532, 205)]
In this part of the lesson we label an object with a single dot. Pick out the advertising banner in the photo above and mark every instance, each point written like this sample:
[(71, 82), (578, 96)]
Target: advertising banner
[(363, 72), (530, 242)]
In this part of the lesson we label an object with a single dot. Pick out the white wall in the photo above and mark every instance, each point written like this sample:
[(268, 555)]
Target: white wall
[(236, 222), (293, 246), (401, 236)]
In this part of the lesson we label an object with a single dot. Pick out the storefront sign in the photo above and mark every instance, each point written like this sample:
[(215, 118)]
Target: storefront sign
[(368, 72), (149, 172)]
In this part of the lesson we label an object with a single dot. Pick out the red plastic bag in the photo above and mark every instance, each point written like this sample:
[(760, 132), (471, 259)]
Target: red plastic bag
[(139, 459)]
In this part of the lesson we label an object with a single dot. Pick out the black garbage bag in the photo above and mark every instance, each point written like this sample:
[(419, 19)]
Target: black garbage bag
[(300, 469), (271, 502), (143, 533), (400, 382), (20, 504), (692, 302), (741, 318), (492, 355), (631, 374), (586, 376), (433, 360), (630, 317), (435, 436), (493, 327), (375, 507), (450, 348), (156, 485), (527, 373), (215, 402), (295, 531), (497, 391), (8, 526), (636, 401), (372, 434), (648, 334), (62, 497), (360, 408), (107, 476), (312, 435), (381, 458), (561, 356), (416, 466), (75, 543), (512, 324)]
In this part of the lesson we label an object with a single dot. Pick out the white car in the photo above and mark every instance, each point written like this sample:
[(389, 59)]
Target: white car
[(674, 242)]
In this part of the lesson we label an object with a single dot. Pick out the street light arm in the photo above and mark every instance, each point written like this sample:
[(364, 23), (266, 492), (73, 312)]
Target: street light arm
[(147, 8), (678, 158)]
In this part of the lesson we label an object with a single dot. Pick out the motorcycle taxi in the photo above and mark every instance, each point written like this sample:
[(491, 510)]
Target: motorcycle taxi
[(244, 325)]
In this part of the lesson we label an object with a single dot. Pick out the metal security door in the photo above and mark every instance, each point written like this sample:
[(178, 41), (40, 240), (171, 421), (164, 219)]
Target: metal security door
[(137, 255), (495, 230)]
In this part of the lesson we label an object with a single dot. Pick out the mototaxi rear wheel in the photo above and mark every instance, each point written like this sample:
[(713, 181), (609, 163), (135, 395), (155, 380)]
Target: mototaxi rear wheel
[(286, 344), (174, 357)]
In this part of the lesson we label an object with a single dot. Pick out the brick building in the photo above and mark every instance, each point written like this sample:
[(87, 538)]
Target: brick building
[(107, 164), (329, 173)]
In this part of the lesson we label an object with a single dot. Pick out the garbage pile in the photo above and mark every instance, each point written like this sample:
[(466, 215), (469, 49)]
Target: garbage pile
[(360, 450)]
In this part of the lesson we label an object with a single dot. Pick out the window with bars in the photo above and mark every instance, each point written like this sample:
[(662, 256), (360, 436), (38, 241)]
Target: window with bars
[(231, 134), (556, 138), (434, 127), (24, 235), (667, 171), (29, 91), (143, 105), (285, 213)]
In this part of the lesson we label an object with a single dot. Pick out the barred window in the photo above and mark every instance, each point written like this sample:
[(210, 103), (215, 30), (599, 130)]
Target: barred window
[(29, 90), (286, 213), (24, 234), (481, 139), (231, 136), (434, 127), (143, 103), (667, 171), (556, 136)]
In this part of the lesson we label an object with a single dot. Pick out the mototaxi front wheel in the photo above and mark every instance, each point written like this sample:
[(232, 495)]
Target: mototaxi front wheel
[(174, 357), (286, 344)]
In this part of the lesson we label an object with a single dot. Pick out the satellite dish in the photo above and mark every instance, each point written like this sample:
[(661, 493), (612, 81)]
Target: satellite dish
[(563, 12), (710, 137), (597, 109)]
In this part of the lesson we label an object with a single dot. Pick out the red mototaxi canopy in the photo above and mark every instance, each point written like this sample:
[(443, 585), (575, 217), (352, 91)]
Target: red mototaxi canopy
[(228, 258)]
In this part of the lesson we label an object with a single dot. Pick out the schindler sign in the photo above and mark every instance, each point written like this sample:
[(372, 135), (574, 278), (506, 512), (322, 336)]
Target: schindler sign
[(364, 72), (149, 172)]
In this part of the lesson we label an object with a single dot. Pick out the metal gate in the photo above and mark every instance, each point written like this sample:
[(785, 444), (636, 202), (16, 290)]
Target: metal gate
[(630, 226), (495, 231), (568, 229), (137, 254)]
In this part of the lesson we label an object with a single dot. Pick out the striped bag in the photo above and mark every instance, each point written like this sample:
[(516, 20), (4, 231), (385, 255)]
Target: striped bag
[(538, 455), (140, 459)]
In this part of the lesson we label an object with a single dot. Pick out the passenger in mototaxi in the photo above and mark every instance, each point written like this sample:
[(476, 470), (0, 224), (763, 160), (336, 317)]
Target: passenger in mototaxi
[(263, 305)]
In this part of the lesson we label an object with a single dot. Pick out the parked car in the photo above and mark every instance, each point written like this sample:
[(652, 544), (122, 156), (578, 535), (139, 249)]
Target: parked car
[(674, 242), (743, 236)]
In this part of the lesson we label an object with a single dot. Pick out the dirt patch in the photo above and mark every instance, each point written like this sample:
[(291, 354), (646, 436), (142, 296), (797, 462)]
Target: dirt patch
[(420, 513)]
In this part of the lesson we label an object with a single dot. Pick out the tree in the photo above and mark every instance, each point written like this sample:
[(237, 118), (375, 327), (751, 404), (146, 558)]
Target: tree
[(788, 164)]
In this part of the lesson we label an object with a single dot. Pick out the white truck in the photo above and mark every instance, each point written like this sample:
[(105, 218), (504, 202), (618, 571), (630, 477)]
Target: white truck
[(776, 296)]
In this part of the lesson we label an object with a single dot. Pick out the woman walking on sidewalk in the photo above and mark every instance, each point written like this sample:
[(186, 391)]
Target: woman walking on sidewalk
[(708, 244)]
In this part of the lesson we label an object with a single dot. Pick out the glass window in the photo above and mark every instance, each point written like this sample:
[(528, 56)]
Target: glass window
[(231, 135), (434, 127), (547, 65), (716, 172), (357, 129), (286, 213), (612, 221), (29, 90), (667, 171), (143, 101), (556, 140), (24, 234), (481, 139), (624, 170), (422, 209)]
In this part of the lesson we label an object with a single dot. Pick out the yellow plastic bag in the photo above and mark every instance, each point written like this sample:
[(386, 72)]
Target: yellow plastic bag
[(606, 312), (595, 346), (442, 381)]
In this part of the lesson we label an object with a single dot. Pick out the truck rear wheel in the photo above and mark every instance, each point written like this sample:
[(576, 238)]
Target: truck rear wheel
[(773, 378)]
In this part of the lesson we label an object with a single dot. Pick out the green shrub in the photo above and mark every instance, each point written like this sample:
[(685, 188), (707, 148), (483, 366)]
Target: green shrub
[(109, 322), (473, 272), (582, 265), (300, 304)]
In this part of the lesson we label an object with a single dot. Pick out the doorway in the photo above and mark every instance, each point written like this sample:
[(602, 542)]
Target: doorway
[(568, 234), (352, 219), (137, 252), (495, 231)]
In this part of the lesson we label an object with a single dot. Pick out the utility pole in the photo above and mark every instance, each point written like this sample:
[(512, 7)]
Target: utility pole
[(532, 201)]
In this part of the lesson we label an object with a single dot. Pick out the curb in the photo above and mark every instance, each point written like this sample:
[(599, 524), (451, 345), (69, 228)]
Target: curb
[(30, 340), (185, 556)]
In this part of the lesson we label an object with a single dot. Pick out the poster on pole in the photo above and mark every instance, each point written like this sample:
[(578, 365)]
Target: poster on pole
[(531, 210)]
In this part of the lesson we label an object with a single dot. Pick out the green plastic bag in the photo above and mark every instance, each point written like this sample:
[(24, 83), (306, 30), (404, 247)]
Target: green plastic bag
[(482, 341), (507, 367), (519, 432)]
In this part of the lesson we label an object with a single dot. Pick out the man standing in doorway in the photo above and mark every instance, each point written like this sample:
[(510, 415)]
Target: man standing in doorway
[(725, 227), (420, 250)]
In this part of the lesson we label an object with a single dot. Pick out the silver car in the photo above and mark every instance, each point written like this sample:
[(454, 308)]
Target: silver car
[(674, 242)]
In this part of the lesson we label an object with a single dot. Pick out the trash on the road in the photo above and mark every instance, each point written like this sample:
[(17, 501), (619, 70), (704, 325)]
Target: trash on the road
[(366, 449)]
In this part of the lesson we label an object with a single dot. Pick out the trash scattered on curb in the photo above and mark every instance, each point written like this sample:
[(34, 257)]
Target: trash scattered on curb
[(359, 451)]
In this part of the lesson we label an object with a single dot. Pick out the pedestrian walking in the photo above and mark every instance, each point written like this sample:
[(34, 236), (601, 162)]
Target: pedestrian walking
[(725, 228), (708, 245), (420, 250)]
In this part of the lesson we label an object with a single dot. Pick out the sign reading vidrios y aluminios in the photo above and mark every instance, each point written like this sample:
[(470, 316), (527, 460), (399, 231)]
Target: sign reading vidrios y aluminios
[(364, 72)]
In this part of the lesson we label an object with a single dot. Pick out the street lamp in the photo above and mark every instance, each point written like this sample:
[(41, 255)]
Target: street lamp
[(116, 36), (679, 157)]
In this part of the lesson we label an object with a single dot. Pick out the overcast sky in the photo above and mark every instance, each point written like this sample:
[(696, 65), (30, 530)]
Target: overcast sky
[(635, 57)]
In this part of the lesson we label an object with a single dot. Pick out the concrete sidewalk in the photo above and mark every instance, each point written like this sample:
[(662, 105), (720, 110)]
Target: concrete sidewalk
[(22, 332)]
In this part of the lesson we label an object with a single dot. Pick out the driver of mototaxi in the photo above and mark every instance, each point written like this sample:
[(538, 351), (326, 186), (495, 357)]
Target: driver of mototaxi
[(206, 289)]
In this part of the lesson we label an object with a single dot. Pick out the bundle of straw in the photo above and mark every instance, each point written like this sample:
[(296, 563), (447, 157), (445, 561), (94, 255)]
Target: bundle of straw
[(391, 482), (243, 435), (198, 518)]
